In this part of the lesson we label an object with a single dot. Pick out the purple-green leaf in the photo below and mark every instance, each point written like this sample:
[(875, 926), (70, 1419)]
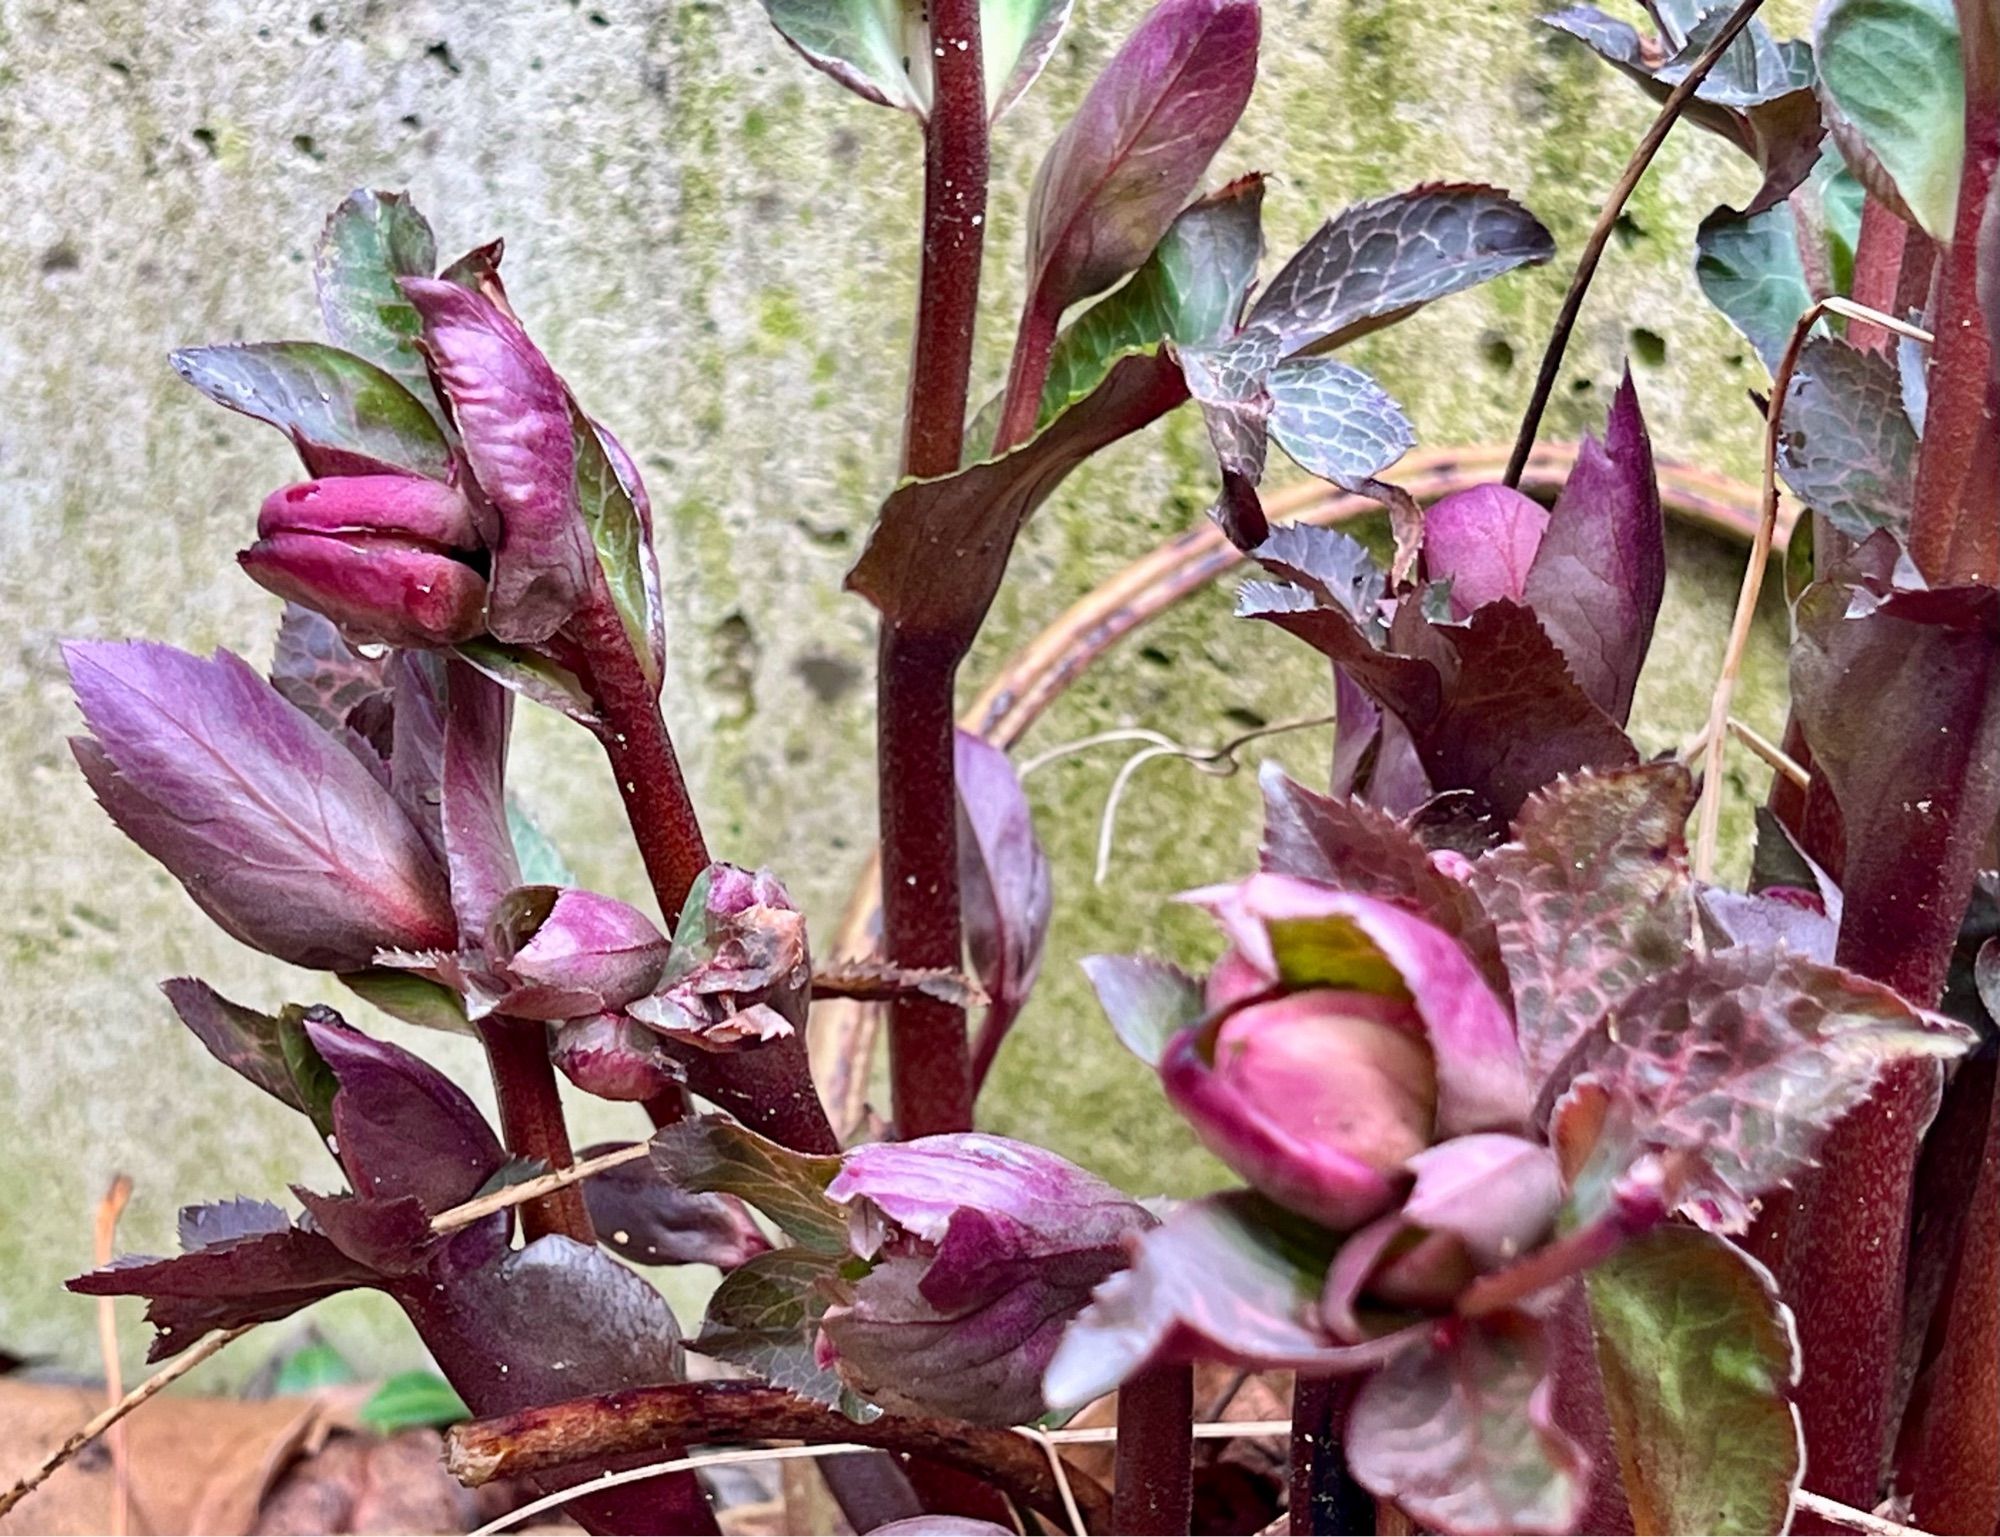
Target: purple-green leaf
[(533, 676), (1848, 449), (1375, 262), (1461, 1434), (765, 1317), (707, 1153), (1740, 1064), (1590, 898), (371, 240), (270, 1050), (1190, 291), (1226, 1278), (1700, 1359), (881, 49), (344, 415), (1003, 881), (1125, 165), (1335, 421)]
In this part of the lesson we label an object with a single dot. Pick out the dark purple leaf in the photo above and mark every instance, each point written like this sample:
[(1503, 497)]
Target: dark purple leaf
[(939, 548), (1359, 848), (707, 1153), (1916, 775), (1483, 541), (1135, 152), (1374, 759), (391, 1237), (515, 421), (765, 1317), (235, 1036), (479, 848), (371, 240), (1599, 575), (1003, 880), (1407, 686), (1375, 262), (1148, 1002), (1739, 1064), (552, 1321), (276, 829), (404, 1129), (1461, 1434), (1590, 899), (222, 1221), (256, 1276), (1513, 719), (643, 1218), (1848, 449), (344, 415), (1226, 1278)]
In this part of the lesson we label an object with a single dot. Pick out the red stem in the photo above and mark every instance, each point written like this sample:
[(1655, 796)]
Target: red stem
[(531, 1121), (1878, 267), (930, 1078), (1034, 345), (930, 1074), (1325, 1497), (1955, 517), (643, 761), (1153, 1487)]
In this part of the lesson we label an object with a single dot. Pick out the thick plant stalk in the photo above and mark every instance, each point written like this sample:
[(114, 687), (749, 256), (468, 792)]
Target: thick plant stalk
[(1878, 269), (1153, 1489), (1325, 1499), (531, 1121), (930, 1073)]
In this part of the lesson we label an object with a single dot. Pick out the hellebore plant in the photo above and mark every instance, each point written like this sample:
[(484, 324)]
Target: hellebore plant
[(1579, 1192)]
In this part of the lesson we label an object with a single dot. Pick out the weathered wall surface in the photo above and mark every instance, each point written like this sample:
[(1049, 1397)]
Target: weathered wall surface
[(715, 245)]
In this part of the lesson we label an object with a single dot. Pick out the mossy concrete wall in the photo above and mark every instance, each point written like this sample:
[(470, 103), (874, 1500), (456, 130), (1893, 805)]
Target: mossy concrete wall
[(715, 244)]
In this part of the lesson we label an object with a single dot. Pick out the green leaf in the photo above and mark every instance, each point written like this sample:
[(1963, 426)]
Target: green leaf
[(1749, 267), (709, 1153), (308, 1370), (765, 1317), (881, 49), (1335, 421), (1891, 69), (413, 999), (1848, 449), (619, 537), (1699, 1360), (411, 1399), (1190, 290), (1149, 1002), (343, 414), (542, 863), (532, 676), (311, 1077), (370, 240)]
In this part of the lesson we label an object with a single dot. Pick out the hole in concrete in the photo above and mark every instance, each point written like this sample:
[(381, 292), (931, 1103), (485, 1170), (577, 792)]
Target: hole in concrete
[(1497, 353), (205, 137), (829, 678), (440, 53), (61, 257), (1648, 346)]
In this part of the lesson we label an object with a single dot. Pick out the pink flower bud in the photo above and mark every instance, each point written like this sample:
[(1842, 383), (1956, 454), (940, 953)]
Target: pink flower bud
[(373, 553), (563, 953), (613, 1057)]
